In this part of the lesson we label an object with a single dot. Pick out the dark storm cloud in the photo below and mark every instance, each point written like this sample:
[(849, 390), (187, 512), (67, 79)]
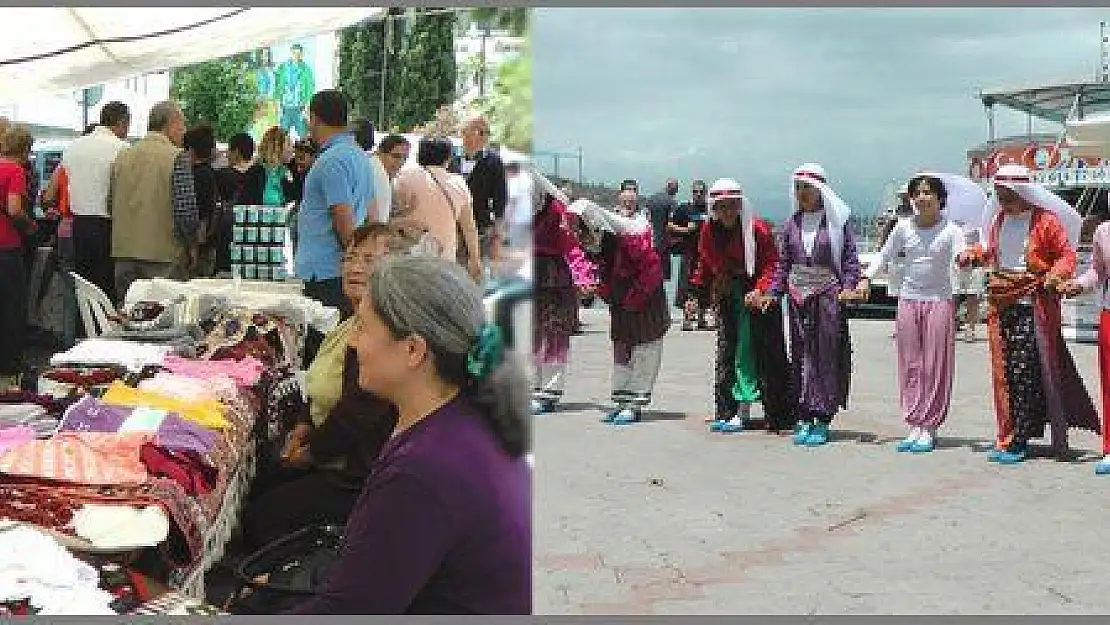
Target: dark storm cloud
[(872, 94)]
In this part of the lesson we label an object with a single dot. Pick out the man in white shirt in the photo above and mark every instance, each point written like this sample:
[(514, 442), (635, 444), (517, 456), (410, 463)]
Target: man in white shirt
[(378, 209), (387, 160), (379, 205), (88, 162), (519, 210)]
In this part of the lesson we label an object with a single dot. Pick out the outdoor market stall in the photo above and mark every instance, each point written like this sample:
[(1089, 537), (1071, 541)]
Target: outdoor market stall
[(132, 460)]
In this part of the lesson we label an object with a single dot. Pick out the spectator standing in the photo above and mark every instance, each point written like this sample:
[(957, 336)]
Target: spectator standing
[(200, 142), (88, 165), (484, 172), (15, 225), (154, 204), (337, 194)]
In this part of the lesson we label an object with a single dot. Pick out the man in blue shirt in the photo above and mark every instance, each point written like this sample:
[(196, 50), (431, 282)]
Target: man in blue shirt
[(337, 191)]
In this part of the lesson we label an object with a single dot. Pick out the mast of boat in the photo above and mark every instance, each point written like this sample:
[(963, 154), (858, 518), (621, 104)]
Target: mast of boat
[(886, 206), (1104, 53)]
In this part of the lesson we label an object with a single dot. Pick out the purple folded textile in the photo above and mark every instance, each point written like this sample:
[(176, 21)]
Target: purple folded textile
[(175, 433)]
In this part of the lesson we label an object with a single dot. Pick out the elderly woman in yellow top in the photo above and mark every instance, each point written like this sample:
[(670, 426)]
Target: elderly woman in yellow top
[(344, 427)]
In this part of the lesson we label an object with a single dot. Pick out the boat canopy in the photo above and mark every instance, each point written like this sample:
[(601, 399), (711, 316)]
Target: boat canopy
[(1053, 102)]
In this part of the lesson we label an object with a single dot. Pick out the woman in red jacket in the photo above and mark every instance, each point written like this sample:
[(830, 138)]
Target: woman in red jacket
[(737, 260), (631, 281)]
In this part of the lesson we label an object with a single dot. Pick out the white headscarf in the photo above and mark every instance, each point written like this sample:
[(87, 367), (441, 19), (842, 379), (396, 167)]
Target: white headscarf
[(727, 188), (964, 202), (609, 219), (546, 186), (1018, 179), (836, 211)]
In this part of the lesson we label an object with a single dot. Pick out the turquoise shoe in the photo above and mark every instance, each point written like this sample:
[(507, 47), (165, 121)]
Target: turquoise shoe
[(715, 424), (611, 415), (627, 416), (905, 444), (801, 432), (925, 447), (1014, 455), (728, 427), (818, 435), (1103, 467)]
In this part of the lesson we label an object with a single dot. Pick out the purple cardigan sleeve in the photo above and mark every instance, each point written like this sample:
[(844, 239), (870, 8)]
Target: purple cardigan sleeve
[(849, 260), (785, 264), (397, 536)]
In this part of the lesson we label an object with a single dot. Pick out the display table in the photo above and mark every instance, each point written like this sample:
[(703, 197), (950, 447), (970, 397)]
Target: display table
[(237, 388), (279, 298)]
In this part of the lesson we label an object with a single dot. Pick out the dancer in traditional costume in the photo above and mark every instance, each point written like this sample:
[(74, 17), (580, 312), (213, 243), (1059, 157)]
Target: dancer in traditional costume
[(1031, 236), (631, 281), (1097, 277), (582, 269), (556, 302), (818, 270), (928, 244), (737, 258)]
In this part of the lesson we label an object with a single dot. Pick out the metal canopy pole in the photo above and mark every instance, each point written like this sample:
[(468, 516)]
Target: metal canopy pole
[(990, 122)]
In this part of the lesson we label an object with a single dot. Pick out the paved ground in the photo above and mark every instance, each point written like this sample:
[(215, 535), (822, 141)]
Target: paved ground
[(666, 518)]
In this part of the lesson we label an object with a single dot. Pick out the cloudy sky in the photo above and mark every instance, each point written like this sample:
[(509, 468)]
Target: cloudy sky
[(871, 94)]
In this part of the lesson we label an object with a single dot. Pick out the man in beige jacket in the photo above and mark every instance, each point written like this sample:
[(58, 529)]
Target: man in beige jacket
[(154, 204)]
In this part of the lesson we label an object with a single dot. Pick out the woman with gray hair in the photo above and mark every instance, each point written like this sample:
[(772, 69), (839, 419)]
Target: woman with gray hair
[(443, 524)]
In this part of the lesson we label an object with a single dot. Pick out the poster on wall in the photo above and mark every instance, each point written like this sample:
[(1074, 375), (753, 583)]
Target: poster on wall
[(287, 75)]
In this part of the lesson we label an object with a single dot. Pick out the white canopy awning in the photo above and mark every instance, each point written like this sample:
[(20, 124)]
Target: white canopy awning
[(58, 49)]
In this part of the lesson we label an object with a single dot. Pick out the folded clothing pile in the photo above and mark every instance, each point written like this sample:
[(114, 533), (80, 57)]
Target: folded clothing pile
[(37, 570)]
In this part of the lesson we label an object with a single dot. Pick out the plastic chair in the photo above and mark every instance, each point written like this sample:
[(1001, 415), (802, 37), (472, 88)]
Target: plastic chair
[(96, 309)]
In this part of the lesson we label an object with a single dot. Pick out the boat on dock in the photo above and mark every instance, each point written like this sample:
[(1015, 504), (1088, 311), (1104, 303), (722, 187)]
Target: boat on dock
[(1074, 161)]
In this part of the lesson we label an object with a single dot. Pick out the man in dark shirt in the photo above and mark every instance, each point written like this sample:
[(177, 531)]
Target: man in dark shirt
[(242, 182), (304, 152), (660, 207), (485, 175), (200, 143), (684, 228)]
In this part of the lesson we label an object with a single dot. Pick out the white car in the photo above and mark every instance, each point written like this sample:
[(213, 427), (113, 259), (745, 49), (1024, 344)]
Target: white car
[(883, 302)]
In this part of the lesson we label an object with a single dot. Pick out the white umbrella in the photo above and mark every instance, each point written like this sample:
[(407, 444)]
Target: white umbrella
[(965, 202), (59, 49)]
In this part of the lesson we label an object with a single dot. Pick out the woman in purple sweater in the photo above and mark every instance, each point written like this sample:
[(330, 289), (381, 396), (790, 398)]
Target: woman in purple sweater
[(444, 521)]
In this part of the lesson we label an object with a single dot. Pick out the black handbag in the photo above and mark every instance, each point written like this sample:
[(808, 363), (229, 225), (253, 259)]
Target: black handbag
[(286, 572)]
